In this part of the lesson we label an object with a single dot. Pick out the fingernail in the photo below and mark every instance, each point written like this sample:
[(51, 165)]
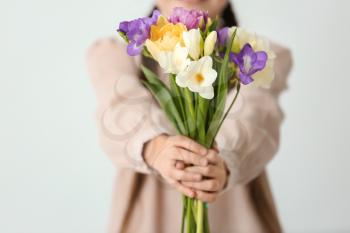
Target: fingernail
[(204, 151)]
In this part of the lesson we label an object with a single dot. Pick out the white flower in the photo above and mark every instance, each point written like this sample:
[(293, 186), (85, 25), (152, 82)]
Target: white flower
[(171, 61), (199, 77), (209, 43), (194, 42)]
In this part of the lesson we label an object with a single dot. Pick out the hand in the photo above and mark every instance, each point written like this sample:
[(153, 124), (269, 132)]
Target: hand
[(164, 152), (216, 174)]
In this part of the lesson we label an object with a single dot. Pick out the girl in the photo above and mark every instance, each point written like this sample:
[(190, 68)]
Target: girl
[(155, 165)]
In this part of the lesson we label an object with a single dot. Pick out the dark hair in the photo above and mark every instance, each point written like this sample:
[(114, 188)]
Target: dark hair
[(228, 16), (259, 190)]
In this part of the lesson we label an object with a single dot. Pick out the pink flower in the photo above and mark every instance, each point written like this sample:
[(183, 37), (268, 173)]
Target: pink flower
[(190, 18)]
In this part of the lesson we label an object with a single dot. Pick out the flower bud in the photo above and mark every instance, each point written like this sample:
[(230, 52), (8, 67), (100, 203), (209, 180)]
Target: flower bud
[(193, 41), (209, 43)]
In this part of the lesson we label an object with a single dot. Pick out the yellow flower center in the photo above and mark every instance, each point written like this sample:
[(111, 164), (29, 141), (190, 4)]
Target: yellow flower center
[(166, 35), (199, 78)]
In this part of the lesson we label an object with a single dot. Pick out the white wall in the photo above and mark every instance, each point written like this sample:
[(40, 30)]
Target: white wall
[(310, 174), (55, 179)]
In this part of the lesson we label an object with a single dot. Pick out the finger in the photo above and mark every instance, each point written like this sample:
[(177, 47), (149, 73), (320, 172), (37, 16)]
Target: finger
[(189, 144), (210, 185), (206, 196), (208, 171), (213, 157), (216, 147), (190, 157), (184, 175), (180, 165), (185, 190)]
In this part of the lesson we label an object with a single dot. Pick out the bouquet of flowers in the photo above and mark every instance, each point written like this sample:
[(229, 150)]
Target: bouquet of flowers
[(204, 63)]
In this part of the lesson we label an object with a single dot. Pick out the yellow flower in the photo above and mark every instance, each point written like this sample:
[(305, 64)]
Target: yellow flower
[(166, 45), (166, 35)]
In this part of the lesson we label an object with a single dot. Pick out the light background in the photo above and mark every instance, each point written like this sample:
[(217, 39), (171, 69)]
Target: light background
[(55, 179)]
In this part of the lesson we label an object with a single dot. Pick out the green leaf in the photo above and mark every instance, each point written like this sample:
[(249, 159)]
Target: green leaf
[(221, 94), (152, 77), (122, 35), (164, 98), (236, 86), (178, 98), (146, 53)]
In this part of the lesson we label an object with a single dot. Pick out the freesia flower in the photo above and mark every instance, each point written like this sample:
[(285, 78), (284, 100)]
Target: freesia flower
[(209, 43), (265, 76), (166, 45), (223, 34), (249, 62), (190, 18), (194, 42), (199, 77), (137, 32)]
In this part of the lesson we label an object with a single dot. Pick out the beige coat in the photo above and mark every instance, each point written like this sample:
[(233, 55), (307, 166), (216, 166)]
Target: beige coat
[(127, 117)]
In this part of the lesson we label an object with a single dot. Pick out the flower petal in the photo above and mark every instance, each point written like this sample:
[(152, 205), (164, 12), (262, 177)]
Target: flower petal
[(210, 77), (193, 41), (207, 92), (222, 35), (260, 62), (245, 79), (124, 26), (153, 49), (133, 49), (209, 43), (191, 18), (174, 62)]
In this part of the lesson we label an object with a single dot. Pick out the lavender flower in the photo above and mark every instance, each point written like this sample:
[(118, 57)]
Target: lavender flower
[(249, 62), (137, 32), (190, 18), (223, 35)]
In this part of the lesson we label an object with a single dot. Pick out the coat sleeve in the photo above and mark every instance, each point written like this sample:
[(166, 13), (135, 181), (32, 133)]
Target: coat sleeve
[(127, 116), (249, 137)]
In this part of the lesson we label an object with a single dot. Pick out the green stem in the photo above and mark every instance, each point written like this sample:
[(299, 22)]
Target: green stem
[(201, 119), (188, 216), (206, 221), (238, 87), (191, 112), (200, 216), (183, 213)]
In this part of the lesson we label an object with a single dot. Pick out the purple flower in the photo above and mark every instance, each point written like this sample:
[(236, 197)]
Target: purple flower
[(249, 62), (137, 32), (190, 18), (223, 35)]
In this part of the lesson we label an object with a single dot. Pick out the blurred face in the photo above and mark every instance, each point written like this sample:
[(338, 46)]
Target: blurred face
[(214, 7)]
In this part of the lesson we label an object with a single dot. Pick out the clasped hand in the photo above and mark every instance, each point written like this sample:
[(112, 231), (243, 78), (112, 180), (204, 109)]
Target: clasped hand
[(188, 166)]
